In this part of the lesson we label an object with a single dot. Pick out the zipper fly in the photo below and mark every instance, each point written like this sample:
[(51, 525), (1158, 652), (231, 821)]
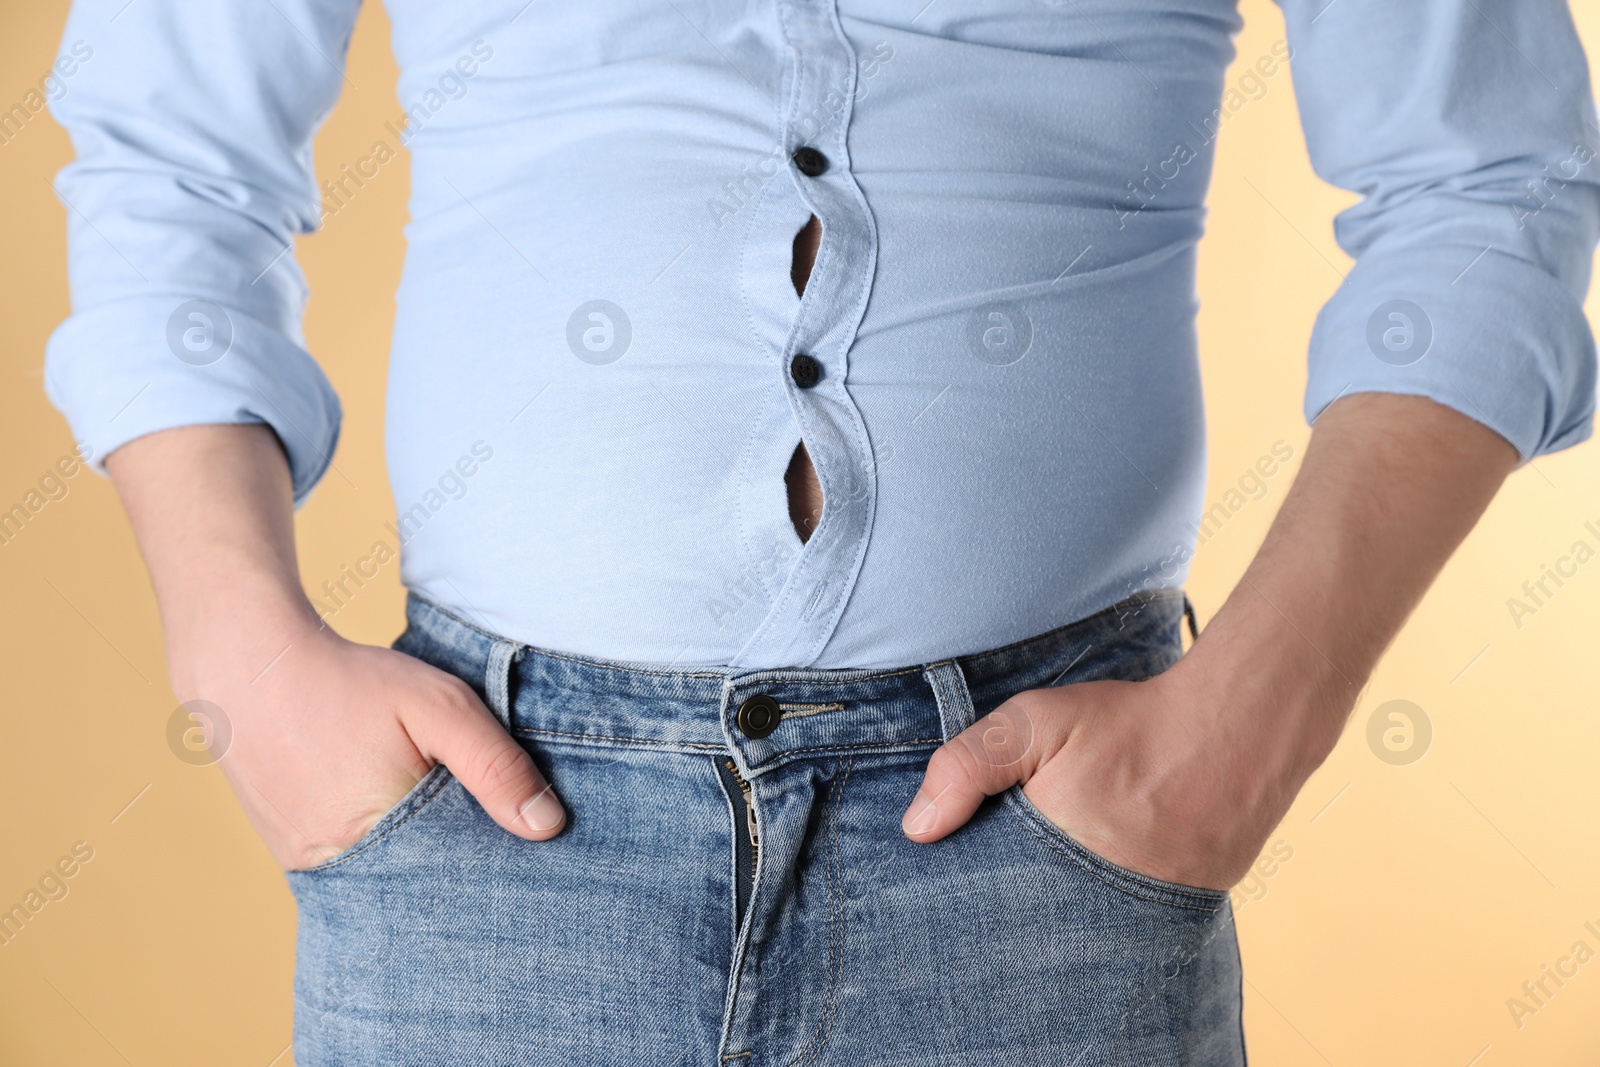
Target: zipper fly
[(749, 817), (746, 846)]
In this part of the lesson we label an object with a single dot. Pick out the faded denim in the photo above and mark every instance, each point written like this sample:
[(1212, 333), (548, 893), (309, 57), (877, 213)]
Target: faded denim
[(441, 939)]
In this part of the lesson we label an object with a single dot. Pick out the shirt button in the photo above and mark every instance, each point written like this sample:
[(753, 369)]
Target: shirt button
[(805, 371), (810, 161), (759, 716)]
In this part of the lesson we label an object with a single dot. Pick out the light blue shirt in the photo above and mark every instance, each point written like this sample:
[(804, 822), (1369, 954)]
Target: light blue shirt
[(590, 405)]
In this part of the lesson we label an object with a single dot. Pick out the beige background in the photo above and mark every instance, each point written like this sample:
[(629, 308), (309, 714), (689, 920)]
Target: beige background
[(1417, 899)]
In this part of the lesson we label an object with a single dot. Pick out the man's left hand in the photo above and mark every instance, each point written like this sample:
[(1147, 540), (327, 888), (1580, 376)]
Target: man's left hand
[(1183, 776), (1151, 775)]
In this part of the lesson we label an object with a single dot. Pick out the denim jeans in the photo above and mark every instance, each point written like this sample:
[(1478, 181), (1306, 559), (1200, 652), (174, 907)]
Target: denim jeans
[(728, 896)]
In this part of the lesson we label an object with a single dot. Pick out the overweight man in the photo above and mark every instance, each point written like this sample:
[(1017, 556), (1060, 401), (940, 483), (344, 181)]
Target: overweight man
[(794, 424)]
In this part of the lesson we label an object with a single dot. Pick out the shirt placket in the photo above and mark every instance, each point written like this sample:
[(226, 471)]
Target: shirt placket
[(812, 367)]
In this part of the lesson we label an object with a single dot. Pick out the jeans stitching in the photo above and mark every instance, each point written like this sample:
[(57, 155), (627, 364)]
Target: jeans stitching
[(531, 731), (1115, 880), (871, 746), (852, 675), (413, 803), (835, 882), (891, 748), (801, 711), (783, 753), (953, 698)]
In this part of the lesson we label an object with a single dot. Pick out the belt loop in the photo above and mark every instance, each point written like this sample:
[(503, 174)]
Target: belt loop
[(497, 679), (954, 698), (1188, 613)]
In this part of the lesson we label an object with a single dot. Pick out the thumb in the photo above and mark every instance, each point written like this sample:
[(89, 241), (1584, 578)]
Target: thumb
[(460, 733), (1000, 750)]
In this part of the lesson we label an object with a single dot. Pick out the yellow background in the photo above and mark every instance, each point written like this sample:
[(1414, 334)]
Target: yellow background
[(1418, 898)]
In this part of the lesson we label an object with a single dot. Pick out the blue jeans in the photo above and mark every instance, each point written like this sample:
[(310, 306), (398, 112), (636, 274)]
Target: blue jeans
[(742, 896)]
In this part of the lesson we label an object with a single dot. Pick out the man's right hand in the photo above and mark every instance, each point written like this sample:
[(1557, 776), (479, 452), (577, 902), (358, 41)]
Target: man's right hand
[(327, 735), (334, 734)]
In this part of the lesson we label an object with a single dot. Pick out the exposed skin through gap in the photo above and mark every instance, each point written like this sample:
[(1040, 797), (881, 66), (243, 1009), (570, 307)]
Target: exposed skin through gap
[(805, 491)]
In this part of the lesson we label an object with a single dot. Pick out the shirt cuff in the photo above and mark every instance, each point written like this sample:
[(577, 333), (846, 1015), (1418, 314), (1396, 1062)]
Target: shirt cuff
[(132, 367), (1497, 338)]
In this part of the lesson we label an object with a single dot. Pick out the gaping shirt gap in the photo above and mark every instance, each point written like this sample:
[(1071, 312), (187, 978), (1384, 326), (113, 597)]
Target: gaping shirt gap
[(805, 491)]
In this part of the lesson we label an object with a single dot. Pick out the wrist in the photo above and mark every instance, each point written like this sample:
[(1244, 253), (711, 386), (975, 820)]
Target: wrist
[(1288, 699), (221, 642)]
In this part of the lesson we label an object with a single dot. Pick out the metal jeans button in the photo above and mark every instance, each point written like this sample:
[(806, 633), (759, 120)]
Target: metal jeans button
[(758, 716)]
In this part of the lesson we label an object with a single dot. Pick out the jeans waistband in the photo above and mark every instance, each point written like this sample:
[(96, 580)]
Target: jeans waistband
[(562, 697)]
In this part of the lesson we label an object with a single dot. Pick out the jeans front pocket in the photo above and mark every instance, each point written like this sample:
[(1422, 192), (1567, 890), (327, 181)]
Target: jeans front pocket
[(413, 802), (1118, 877)]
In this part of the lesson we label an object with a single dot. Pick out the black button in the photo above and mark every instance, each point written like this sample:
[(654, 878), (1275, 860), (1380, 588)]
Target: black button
[(759, 716), (810, 161), (805, 371)]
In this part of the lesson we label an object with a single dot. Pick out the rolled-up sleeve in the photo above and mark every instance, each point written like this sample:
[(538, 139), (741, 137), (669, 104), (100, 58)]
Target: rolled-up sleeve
[(1468, 128), (192, 125)]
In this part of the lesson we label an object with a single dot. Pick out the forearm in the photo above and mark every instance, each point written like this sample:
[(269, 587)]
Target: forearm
[(211, 509), (1390, 486)]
